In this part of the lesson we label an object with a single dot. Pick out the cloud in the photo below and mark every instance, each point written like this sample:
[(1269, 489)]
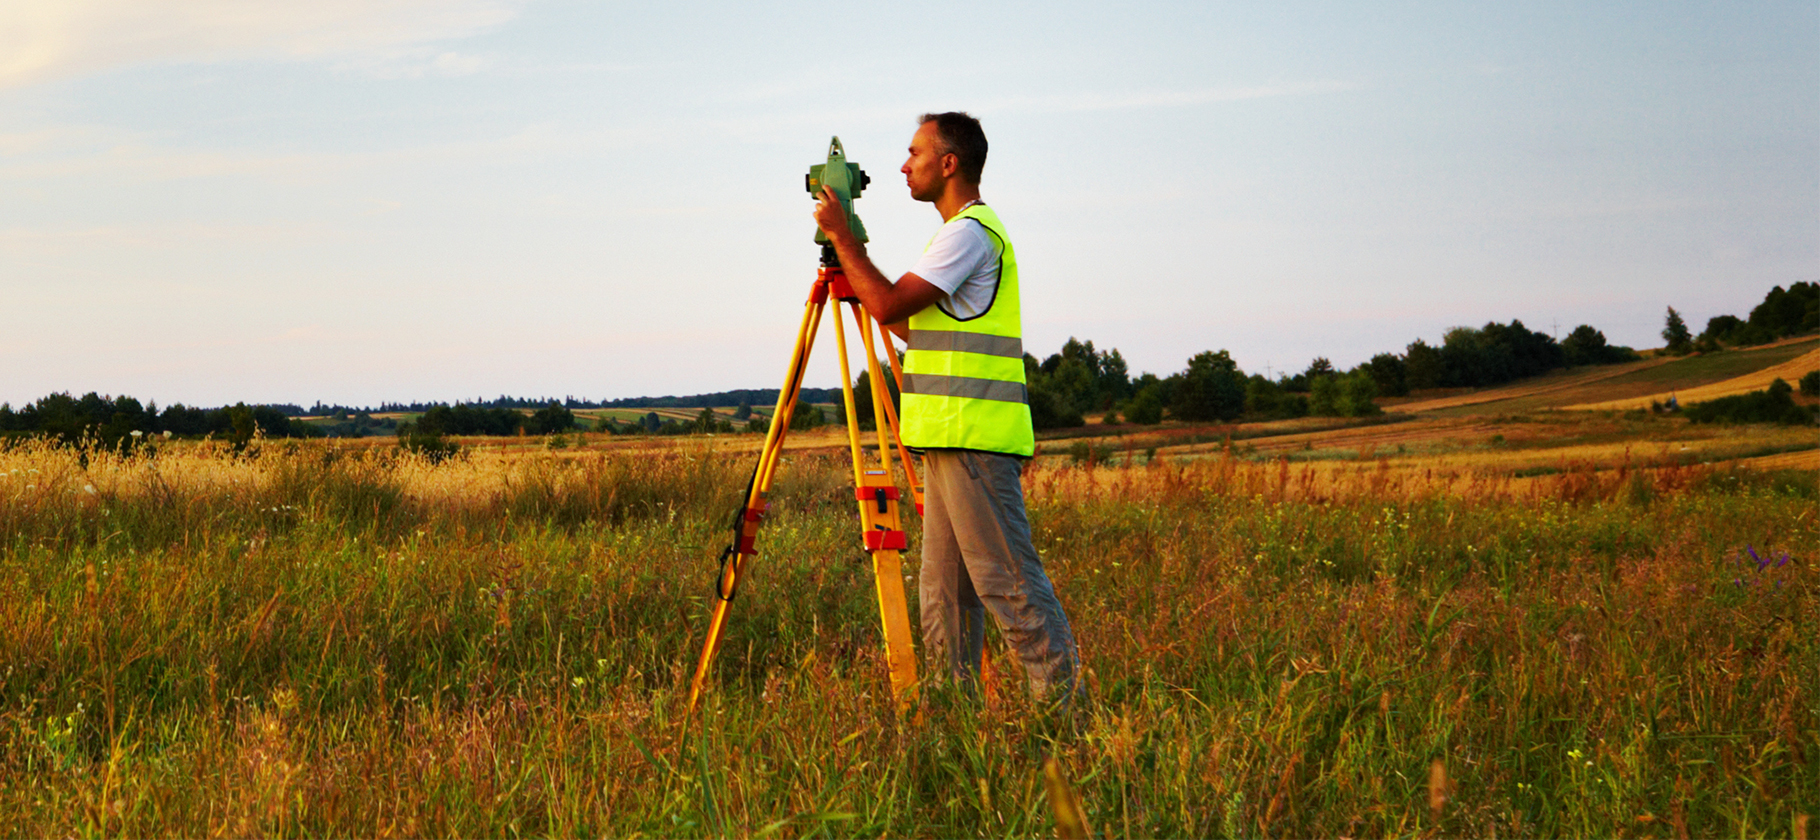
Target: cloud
[(43, 41), (1170, 98)]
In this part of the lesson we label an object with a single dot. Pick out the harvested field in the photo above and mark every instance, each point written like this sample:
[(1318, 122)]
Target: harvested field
[(1631, 383), (1790, 371)]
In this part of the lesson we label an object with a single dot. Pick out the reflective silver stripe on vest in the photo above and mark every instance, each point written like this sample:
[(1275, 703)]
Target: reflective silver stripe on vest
[(952, 341), (969, 387)]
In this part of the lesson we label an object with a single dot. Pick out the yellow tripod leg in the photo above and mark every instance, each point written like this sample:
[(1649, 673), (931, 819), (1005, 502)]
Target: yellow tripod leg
[(885, 409), (726, 583), (883, 532)]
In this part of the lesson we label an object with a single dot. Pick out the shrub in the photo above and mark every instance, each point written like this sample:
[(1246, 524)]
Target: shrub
[(1776, 405)]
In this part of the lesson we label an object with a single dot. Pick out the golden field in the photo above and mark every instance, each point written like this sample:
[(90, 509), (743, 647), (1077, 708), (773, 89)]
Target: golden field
[(1523, 624)]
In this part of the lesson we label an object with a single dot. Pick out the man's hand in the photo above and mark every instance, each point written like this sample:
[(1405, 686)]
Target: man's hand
[(830, 216), (891, 303)]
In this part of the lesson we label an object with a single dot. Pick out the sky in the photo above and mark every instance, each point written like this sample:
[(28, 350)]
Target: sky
[(356, 201)]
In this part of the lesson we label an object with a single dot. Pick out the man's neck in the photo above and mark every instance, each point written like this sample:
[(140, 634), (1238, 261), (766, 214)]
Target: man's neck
[(956, 198)]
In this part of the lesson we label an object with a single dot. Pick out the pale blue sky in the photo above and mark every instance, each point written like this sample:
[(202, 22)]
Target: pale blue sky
[(363, 200)]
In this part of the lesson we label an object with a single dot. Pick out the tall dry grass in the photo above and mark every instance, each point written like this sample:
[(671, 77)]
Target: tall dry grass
[(320, 640)]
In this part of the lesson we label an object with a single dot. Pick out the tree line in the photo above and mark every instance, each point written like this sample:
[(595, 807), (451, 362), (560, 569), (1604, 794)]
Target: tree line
[(1081, 380), (1783, 313), (750, 396), (124, 421)]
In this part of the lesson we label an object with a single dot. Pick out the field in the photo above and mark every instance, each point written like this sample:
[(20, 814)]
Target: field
[(1513, 624), (1635, 384)]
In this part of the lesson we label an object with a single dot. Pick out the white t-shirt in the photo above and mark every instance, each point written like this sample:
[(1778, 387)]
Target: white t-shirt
[(963, 261)]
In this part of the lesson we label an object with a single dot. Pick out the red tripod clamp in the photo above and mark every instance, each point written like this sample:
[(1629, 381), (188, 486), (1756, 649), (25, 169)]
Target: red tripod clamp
[(832, 277)]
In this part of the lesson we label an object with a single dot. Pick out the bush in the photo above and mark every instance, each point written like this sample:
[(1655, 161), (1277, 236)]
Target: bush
[(1047, 411), (430, 445), (1145, 409), (1810, 384), (1776, 405)]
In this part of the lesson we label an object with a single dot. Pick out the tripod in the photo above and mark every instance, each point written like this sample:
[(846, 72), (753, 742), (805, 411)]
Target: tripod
[(874, 489)]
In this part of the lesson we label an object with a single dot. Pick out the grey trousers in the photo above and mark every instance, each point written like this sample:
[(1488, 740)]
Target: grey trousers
[(978, 558)]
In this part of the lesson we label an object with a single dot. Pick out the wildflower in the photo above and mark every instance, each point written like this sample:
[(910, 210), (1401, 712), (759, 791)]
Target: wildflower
[(89, 489), (1754, 558), (137, 433)]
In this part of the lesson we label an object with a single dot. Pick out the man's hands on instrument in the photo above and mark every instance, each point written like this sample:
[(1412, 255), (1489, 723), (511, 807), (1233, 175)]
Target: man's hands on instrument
[(831, 217)]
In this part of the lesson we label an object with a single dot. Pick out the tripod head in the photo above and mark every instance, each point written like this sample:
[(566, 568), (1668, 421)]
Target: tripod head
[(848, 181)]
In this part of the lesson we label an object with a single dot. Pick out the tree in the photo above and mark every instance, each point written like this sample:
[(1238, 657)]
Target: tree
[(806, 417), (1212, 388), (1586, 346), (862, 398), (1422, 366), (744, 412), (1271, 401), (1146, 407), (1790, 311), (1724, 328), (1680, 341), (1357, 394), (1047, 410), (1390, 373), (551, 419)]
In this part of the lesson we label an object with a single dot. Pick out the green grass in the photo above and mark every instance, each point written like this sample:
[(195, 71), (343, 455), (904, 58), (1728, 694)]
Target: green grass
[(314, 647), (1703, 369)]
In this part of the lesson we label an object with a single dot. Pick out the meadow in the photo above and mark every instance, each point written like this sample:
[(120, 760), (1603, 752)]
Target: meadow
[(1597, 625)]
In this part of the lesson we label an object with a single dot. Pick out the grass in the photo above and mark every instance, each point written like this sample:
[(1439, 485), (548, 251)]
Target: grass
[(330, 639)]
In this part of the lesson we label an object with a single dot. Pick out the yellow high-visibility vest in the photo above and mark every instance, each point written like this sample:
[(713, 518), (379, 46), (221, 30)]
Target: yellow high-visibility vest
[(964, 378)]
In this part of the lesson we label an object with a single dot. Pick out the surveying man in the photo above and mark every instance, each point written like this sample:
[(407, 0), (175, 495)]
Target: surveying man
[(966, 409)]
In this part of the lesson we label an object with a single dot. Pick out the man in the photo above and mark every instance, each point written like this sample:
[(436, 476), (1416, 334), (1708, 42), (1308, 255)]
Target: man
[(965, 408)]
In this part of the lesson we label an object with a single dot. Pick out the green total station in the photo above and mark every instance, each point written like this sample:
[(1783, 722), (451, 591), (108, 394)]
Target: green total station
[(847, 181)]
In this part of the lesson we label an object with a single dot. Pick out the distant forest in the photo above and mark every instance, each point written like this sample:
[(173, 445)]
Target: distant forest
[(1064, 388), (743, 396)]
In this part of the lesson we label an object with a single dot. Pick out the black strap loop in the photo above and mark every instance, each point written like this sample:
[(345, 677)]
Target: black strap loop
[(720, 578)]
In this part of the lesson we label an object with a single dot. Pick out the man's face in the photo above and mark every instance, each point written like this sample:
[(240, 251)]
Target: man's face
[(923, 172)]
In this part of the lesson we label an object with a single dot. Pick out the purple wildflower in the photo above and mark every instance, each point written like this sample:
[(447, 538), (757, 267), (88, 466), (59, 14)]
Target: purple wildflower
[(1754, 558), (1782, 562)]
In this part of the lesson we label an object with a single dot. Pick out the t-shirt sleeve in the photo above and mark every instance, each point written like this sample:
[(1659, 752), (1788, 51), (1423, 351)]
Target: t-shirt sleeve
[(954, 256)]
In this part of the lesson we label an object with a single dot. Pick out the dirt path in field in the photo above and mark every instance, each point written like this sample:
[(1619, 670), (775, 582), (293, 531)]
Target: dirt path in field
[(1790, 371)]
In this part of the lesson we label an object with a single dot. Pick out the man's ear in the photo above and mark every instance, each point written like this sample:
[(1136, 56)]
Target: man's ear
[(951, 164)]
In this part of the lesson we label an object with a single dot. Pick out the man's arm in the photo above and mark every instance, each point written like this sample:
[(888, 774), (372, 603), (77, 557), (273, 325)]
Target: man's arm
[(891, 304)]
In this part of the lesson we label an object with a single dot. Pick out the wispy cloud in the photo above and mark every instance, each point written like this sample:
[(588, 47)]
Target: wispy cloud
[(43, 41), (139, 156), (1134, 100)]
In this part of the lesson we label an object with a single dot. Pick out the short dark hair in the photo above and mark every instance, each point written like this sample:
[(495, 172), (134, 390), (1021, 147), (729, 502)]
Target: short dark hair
[(962, 137)]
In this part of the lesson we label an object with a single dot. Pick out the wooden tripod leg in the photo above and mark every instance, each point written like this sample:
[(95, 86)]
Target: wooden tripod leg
[(883, 531), (889, 411), (726, 582)]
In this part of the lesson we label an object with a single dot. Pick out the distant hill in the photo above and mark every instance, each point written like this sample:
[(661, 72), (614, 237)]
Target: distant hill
[(1633, 384)]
